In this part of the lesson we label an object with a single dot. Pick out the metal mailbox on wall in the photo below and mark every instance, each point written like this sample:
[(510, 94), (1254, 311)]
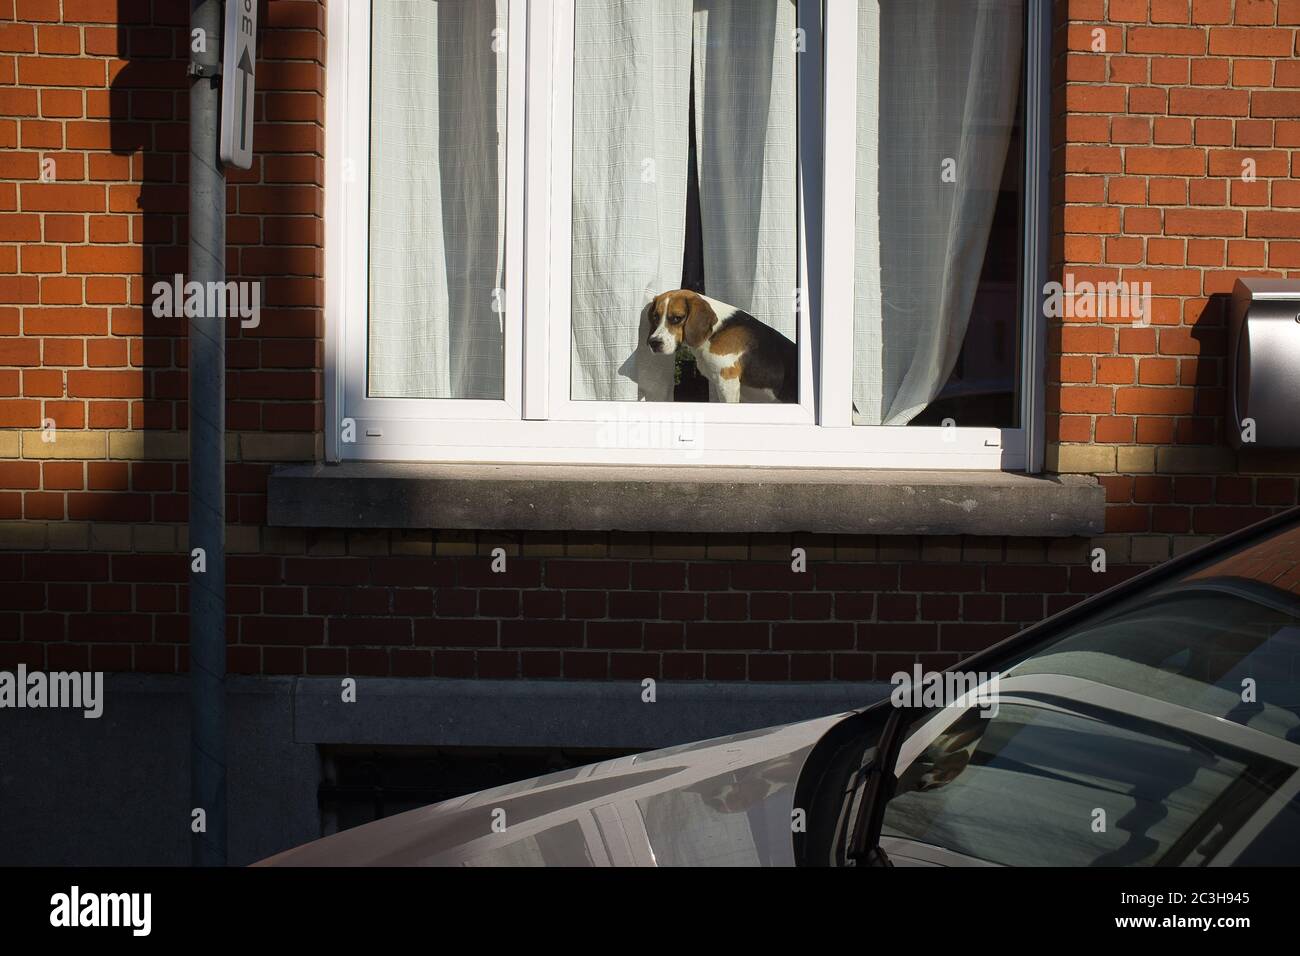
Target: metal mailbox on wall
[(1264, 364)]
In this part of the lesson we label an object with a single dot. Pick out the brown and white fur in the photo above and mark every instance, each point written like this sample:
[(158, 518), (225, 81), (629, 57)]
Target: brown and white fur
[(742, 359)]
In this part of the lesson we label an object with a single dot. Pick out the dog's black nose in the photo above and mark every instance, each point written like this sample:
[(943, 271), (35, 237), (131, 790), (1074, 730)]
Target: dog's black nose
[(655, 345)]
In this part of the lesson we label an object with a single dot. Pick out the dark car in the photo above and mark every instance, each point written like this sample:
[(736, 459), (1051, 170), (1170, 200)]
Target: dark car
[(1155, 724)]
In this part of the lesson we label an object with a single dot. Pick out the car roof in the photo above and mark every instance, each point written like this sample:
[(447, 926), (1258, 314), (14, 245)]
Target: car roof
[(1201, 557)]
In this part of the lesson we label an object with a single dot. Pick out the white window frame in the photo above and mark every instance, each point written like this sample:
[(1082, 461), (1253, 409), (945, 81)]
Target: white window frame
[(553, 24), (536, 421), (350, 236)]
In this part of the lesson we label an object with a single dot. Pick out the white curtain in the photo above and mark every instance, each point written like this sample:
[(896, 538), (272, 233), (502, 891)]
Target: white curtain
[(746, 134), (631, 81), (868, 339), (937, 92), (630, 154), (938, 82), (437, 198)]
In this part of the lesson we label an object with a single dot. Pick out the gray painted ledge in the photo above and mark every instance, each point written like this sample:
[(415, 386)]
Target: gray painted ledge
[(377, 495)]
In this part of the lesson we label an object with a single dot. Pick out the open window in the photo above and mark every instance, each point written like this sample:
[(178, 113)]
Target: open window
[(511, 184)]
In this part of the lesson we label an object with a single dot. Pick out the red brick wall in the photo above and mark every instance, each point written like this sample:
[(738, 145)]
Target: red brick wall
[(99, 87), (624, 607), (1148, 187), (1148, 141)]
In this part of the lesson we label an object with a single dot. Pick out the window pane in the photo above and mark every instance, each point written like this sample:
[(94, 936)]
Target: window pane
[(437, 199), (937, 294), (1023, 787), (684, 178)]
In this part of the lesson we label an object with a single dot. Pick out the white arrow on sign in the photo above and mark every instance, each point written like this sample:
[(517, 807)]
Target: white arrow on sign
[(240, 45)]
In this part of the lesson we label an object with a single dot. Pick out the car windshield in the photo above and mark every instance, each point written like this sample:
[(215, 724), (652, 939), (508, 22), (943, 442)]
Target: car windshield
[(1165, 729)]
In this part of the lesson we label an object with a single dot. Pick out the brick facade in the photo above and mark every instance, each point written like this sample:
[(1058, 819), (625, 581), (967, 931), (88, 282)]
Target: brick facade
[(1149, 138)]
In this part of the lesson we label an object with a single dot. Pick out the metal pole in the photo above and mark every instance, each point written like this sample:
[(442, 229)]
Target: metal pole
[(207, 484)]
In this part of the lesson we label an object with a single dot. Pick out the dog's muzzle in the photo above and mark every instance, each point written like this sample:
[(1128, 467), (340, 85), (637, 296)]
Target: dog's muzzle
[(661, 342)]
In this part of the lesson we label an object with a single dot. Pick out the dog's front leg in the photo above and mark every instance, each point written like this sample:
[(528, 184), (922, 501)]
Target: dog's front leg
[(729, 388)]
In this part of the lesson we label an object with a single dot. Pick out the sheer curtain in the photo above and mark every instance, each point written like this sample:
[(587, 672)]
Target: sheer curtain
[(631, 78), (937, 88), (632, 63), (437, 199), (747, 140)]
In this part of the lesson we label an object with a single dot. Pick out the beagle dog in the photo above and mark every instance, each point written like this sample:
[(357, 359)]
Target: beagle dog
[(743, 359)]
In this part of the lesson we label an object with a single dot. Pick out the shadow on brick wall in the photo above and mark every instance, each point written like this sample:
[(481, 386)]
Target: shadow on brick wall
[(149, 110), (1209, 423), (148, 104)]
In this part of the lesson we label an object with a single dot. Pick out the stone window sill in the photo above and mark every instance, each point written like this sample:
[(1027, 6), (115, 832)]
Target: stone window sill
[(489, 497)]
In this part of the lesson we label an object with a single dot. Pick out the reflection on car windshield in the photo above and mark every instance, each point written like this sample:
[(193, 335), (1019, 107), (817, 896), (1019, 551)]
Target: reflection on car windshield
[(1165, 729)]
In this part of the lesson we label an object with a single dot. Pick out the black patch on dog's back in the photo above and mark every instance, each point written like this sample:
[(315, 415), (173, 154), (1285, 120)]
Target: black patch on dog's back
[(774, 365)]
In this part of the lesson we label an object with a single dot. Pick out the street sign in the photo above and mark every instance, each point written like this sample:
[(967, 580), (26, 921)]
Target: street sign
[(240, 47)]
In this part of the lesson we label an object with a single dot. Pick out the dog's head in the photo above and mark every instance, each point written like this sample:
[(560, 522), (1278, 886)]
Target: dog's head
[(679, 316)]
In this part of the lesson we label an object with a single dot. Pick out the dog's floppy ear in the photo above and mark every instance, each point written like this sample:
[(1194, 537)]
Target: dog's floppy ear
[(648, 315), (699, 322)]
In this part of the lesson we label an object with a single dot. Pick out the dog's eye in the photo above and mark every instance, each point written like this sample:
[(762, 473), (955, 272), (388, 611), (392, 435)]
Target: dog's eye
[(675, 319)]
